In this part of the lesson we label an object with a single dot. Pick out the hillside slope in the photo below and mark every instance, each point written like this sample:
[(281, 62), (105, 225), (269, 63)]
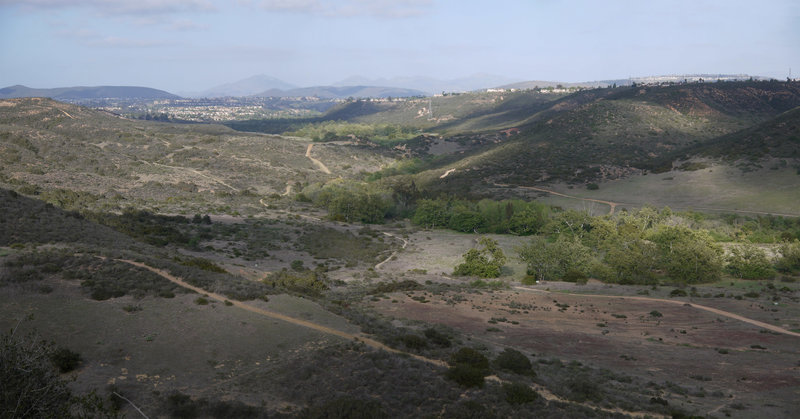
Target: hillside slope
[(627, 131), (47, 145)]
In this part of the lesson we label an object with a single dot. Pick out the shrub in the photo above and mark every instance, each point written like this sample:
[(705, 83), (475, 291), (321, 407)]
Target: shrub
[(519, 393), (297, 265), (677, 292), (437, 338), (583, 388), (25, 364), (201, 301), (576, 276), (466, 375), (345, 408), (656, 313), (514, 361), (412, 341), (484, 263), (471, 357), (65, 360), (468, 367), (592, 186), (203, 264)]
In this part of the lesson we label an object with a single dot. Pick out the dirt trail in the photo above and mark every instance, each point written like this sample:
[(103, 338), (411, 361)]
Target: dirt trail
[(447, 173), (545, 393), (405, 243), (681, 303), (300, 322), (316, 162), (288, 190), (612, 205), (196, 172), (307, 217)]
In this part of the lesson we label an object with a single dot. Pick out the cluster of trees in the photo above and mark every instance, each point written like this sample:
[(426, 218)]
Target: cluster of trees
[(485, 216), (643, 247), (333, 130), (351, 201)]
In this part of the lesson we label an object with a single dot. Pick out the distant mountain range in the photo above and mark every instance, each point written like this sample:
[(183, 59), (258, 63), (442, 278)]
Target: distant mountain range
[(431, 85), (356, 87), (246, 87), (84, 92), (342, 92)]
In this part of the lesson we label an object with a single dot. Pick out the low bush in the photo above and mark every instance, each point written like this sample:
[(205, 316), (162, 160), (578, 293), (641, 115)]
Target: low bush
[(65, 360), (519, 393), (514, 361)]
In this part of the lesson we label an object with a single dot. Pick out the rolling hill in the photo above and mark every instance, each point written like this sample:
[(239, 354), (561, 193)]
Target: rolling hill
[(84, 92), (590, 136), (114, 162)]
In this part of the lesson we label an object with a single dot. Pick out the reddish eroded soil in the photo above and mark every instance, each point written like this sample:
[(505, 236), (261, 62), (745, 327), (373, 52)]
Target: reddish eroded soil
[(684, 345)]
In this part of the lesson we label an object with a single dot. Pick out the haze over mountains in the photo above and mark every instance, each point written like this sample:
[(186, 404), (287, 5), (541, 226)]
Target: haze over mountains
[(86, 92), (356, 87)]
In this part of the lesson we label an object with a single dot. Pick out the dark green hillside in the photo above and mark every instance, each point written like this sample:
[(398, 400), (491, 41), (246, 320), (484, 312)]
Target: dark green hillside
[(27, 220), (627, 131), (778, 137)]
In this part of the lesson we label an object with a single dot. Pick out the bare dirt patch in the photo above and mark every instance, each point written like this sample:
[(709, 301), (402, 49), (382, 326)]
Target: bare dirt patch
[(701, 352)]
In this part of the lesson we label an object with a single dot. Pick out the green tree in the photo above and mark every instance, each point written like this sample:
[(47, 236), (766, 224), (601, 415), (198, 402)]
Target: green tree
[(485, 263), (527, 221), (632, 261), (749, 262), (790, 257), (431, 213), (551, 261), (688, 256)]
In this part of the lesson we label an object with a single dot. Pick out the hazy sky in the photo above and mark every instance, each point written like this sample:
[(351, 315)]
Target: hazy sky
[(190, 45)]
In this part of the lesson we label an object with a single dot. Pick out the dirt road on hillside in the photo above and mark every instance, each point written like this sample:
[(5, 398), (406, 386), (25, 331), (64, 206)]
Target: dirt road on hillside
[(681, 303), (612, 205), (405, 243), (544, 392), (319, 164)]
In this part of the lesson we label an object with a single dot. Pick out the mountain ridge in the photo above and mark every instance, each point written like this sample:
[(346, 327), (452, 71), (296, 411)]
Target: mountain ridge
[(86, 92)]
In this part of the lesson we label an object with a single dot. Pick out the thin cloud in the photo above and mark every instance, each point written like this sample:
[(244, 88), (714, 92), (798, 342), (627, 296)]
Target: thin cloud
[(117, 42), (116, 7), (351, 8), (184, 25)]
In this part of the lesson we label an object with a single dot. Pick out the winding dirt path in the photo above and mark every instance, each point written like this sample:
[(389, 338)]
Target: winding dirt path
[(319, 164), (675, 302), (544, 392), (405, 243), (299, 322), (612, 205)]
